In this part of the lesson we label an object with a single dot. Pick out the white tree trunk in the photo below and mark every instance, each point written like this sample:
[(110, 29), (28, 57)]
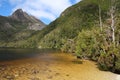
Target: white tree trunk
[(112, 12), (100, 18)]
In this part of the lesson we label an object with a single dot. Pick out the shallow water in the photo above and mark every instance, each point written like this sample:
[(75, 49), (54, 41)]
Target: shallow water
[(20, 64)]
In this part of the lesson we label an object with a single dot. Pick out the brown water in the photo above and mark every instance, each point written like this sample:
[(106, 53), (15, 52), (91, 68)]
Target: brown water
[(51, 66)]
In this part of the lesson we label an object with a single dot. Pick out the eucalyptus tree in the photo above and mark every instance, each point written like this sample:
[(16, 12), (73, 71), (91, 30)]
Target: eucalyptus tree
[(111, 7), (113, 15), (101, 6)]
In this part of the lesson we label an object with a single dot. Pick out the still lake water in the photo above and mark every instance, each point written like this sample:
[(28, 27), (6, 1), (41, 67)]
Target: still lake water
[(35, 64), (14, 54)]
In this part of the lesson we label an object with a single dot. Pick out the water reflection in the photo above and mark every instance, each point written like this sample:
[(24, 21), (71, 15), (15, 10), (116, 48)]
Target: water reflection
[(13, 54)]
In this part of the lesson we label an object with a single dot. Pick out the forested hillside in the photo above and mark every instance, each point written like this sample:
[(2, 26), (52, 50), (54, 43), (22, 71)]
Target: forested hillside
[(90, 29)]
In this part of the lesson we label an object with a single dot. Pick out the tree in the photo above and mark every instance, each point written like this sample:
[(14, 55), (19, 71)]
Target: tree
[(113, 11), (101, 5), (100, 18)]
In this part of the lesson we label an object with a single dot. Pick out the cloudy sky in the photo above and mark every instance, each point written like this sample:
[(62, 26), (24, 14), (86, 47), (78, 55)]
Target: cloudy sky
[(45, 10)]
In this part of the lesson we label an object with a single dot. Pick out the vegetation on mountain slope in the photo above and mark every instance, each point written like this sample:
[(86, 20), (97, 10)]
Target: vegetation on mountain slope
[(31, 41), (70, 23), (78, 30)]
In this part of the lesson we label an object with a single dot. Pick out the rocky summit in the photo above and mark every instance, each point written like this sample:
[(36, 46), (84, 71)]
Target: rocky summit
[(33, 23), (20, 19)]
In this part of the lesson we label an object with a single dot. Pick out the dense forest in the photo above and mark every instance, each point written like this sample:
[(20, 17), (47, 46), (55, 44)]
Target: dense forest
[(89, 29)]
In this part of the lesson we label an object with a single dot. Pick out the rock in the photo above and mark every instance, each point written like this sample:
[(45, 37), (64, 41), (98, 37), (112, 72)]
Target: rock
[(16, 75), (34, 71), (50, 77), (50, 70), (67, 75), (35, 78), (2, 69), (9, 77), (33, 22), (56, 74)]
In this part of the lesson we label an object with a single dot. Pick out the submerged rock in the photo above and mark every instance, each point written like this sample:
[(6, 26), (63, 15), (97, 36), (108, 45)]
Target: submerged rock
[(35, 78), (9, 77)]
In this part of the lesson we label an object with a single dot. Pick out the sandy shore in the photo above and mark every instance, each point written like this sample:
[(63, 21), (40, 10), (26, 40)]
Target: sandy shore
[(53, 67)]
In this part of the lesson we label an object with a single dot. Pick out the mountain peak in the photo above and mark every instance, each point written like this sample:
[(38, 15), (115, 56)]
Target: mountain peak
[(19, 10), (33, 23), (19, 15)]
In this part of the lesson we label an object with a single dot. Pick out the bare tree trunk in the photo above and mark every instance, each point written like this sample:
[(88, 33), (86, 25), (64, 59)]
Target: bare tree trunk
[(112, 12), (100, 18)]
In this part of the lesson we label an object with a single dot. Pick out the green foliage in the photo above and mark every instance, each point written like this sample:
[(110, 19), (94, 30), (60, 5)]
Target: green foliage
[(69, 24), (96, 45), (86, 43), (108, 60), (68, 45), (117, 63)]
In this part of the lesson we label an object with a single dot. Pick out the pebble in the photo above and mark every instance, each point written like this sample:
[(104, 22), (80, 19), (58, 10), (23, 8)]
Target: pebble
[(56, 74), (67, 75), (50, 77), (9, 77), (35, 78), (35, 71)]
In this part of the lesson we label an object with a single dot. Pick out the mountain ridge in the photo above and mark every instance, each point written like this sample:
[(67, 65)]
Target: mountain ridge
[(18, 22), (22, 16)]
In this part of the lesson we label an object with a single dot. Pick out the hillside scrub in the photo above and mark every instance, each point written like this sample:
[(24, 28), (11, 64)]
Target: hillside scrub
[(78, 31)]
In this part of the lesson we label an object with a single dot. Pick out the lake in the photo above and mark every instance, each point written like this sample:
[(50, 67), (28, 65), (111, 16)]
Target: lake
[(36, 64)]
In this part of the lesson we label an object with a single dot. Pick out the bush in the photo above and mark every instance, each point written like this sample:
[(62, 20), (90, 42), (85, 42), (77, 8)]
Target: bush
[(68, 45), (86, 44), (110, 60)]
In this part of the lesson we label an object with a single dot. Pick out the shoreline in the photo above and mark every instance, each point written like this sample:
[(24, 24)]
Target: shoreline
[(53, 67)]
